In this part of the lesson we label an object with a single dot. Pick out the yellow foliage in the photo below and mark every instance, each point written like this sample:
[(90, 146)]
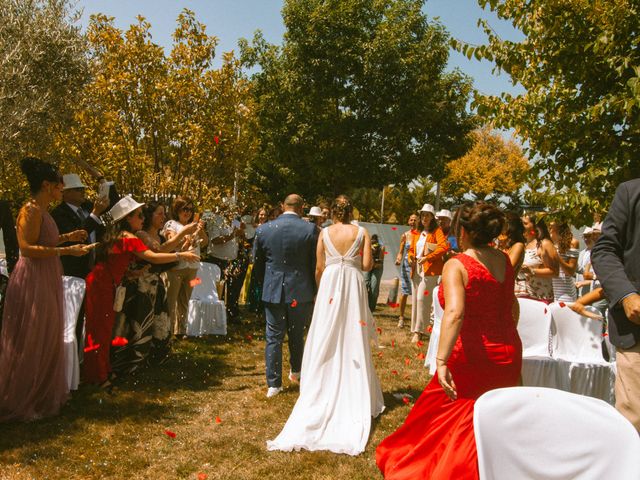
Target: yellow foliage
[(491, 168)]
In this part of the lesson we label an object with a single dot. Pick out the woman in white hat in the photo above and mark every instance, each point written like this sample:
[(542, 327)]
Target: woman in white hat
[(119, 248), (426, 253), (316, 217)]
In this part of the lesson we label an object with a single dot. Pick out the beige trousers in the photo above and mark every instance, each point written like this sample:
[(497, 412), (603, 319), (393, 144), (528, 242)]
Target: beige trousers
[(421, 303), (628, 383), (178, 294)]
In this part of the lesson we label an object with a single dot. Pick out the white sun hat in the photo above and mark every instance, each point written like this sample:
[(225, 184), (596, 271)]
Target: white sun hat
[(427, 207), (71, 180), (587, 231), (124, 207), (315, 212), (444, 213)]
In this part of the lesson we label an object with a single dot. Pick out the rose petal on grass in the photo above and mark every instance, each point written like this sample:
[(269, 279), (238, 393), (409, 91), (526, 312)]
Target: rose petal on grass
[(406, 400), (407, 361), (202, 476), (421, 356), (394, 372), (218, 420), (419, 344), (169, 433), (393, 343), (380, 354), (379, 330)]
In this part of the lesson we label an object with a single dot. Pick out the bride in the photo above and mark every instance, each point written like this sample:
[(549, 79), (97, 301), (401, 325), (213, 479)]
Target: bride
[(339, 388)]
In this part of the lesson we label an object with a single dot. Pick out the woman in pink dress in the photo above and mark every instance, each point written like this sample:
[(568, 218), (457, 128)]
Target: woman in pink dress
[(479, 350), (32, 361)]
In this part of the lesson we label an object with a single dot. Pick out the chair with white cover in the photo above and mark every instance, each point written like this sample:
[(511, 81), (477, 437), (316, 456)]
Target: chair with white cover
[(73, 289), (577, 345), (536, 433), (207, 313), (534, 327), (434, 338)]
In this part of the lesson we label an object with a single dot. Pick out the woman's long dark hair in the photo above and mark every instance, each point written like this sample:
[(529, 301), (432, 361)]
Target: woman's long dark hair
[(113, 232), (148, 210), (515, 229), (433, 224)]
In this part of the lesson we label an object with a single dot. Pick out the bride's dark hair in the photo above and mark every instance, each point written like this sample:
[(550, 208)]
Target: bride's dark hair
[(341, 209)]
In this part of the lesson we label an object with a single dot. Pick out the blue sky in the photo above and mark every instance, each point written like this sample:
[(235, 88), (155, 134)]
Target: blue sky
[(230, 20)]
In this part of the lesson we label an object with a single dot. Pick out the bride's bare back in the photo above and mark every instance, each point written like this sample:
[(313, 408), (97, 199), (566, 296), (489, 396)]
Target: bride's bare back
[(342, 236)]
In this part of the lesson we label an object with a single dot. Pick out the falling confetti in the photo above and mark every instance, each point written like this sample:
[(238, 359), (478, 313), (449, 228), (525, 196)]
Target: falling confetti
[(249, 338), (430, 329), (169, 433), (406, 400), (421, 356), (379, 330), (90, 345), (195, 281), (393, 344), (294, 304), (394, 372), (119, 342), (218, 420), (562, 304), (363, 323), (419, 344), (394, 228), (202, 476), (426, 292), (216, 139)]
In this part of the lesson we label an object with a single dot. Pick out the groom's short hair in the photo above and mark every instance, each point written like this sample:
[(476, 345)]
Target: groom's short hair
[(293, 200)]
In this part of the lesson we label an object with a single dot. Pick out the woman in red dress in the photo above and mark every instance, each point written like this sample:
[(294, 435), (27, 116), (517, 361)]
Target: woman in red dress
[(121, 249), (479, 350)]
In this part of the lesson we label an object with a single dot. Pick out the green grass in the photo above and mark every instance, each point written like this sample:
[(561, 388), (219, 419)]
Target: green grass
[(98, 435)]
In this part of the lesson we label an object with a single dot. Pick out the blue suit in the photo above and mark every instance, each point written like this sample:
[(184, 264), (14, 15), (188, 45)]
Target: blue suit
[(285, 256)]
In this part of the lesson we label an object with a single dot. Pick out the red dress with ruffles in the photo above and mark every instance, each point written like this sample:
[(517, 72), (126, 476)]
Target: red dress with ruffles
[(437, 440), (100, 317)]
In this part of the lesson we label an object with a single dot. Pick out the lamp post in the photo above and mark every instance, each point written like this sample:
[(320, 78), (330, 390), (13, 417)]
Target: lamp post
[(242, 111)]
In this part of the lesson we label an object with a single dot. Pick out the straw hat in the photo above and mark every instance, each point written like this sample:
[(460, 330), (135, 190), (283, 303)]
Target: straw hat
[(124, 207), (444, 213), (71, 180), (427, 207), (315, 212)]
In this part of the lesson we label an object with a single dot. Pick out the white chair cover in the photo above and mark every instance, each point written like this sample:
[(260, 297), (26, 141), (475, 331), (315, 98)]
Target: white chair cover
[(434, 338), (534, 328), (542, 433), (73, 290), (577, 345), (3, 267), (207, 313)]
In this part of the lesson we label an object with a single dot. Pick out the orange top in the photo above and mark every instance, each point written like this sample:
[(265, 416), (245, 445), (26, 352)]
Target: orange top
[(434, 260)]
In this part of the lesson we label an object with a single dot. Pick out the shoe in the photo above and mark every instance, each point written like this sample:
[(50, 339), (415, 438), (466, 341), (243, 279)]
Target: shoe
[(273, 391), (415, 338), (294, 377), (401, 322)]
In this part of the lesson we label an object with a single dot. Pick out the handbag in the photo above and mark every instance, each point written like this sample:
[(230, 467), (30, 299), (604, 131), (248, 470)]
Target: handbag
[(118, 298)]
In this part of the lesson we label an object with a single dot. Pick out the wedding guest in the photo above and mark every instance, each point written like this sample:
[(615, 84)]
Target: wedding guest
[(428, 252), (275, 212), (316, 217), (225, 239), (145, 313), (180, 278), (10, 249), (564, 285), (511, 241), (33, 381), (616, 261), (409, 280), (540, 263), (254, 288), (373, 277), (479, 350), (584, 271), (326, 213), (120, 248), (444, 221)]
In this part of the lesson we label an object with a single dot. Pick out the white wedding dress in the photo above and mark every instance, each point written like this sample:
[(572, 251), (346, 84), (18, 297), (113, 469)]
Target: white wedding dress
[(339, 388)]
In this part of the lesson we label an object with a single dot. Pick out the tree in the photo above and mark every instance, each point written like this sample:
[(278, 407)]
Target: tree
[(580, 116), (163, 124), (43, 66), (491, 170), (356, 97)]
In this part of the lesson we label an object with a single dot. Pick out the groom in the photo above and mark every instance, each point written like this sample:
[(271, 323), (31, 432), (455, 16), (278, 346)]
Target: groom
[(285, 256)]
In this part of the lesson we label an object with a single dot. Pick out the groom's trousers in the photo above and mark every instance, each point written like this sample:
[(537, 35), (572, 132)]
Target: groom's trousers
[(290, 319)]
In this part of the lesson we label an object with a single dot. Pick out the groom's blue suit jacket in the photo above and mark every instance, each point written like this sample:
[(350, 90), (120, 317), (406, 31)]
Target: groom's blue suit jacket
[(285, 256)]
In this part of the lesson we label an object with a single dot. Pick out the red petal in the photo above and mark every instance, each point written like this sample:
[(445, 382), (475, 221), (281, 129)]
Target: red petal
[(216, 139), (363, 323), (426, 292), (249, 338), (394, 372), (218, 420), (394, 228), (406, 400), (169, 433), (421, 356), (379, 330), (386, 253), (119, 341), (605, 334), (562, 304), (330, 301), (430, 329), (419, 343), (545, 311), (407, 361), (380, 354), (294, 304), (393, 343), (195, 281), (202, 476), (92, 347)]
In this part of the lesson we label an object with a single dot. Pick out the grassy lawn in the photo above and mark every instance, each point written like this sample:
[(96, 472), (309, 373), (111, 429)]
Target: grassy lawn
[(122, 435)]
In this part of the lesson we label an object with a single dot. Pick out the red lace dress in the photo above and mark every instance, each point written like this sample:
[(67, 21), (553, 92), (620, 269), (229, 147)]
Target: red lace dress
[(100, 317), (436, 440)]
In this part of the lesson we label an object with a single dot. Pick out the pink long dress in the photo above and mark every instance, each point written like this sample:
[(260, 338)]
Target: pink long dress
[(32, 368)]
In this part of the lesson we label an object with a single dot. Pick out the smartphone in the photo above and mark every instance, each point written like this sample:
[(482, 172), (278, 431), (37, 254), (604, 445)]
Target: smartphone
[(103, 191)]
